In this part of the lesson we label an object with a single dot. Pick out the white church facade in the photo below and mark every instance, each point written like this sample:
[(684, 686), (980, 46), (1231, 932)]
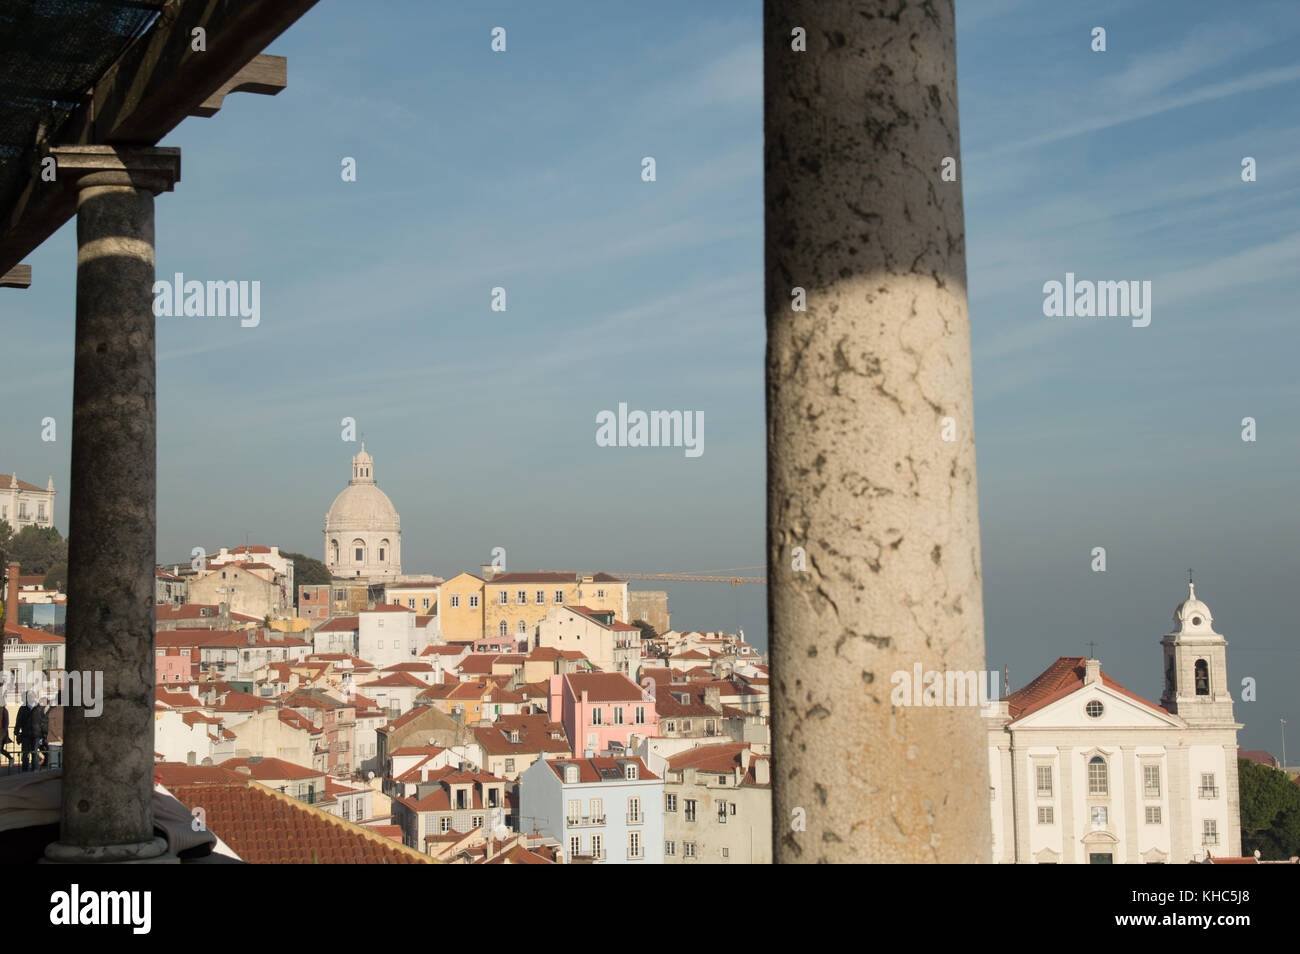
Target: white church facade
[(363, 533), (1084, 771)]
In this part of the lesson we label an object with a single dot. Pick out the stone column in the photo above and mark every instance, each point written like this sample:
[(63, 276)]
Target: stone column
[(108, 759), (873, 543)]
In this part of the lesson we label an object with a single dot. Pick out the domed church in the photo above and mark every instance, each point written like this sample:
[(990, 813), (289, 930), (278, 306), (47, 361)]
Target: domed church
[(363, 534)]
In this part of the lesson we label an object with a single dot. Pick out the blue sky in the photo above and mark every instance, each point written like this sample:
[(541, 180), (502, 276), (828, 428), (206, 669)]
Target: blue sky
[(522, 169)]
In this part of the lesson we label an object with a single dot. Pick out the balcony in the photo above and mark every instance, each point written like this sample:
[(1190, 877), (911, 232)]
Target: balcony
[(1210, 840), (1209, 791), (584, 821)]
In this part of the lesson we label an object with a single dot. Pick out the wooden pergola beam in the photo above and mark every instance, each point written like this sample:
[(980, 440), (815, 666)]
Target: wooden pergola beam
[(263, 74), (157, 82)]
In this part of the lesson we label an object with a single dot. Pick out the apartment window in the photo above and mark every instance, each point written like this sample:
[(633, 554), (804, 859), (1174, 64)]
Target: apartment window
[(522, 628), (424, 602), (1098, 780), (40, 511), (1210, 831), (597, 846), (670, 849), (630, 773), (473, 601), (504, 597), (410, 600), (690, 809), (598, 811), (596, 717), (356, 552), (1044, 776), (575, 845), (559, 596), (521, 597), (444, 824), (634, 844), (1100, 816), (1151, 781), (510, 765), (476, 821), (502, 628), (722, 813), (688, 849), (381, 554), (539, 597), (600, 594), (618, 715), (634, 810), (726, 853), (1153, 814), (670, 803), (640, 715), (670, 726), (1208, 788), (1045, 814)]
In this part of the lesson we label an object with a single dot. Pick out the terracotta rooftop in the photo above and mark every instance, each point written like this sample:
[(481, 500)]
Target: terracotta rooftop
[(604, 687), (589, 769), (265, 827), (1059, 680)]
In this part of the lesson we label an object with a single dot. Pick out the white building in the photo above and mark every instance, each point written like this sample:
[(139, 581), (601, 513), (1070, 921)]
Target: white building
[(389, 634), (363, 534), (271, 556), (1084, 771), (23, 504)]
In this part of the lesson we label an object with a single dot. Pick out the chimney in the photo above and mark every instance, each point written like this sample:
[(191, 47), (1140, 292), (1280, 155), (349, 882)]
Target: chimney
[(11, 597), (763, 771), (1091, 671)]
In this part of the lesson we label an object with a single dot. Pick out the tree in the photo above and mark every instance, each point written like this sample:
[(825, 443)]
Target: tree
[(1270, 811), (6, 536), (307, 572), (57, 578), (647, 631), (873, 533), (38, 549)]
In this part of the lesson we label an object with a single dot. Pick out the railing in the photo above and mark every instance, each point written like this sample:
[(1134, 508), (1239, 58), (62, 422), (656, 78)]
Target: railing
[(584, 821), (1209, 791), (1210, 840)]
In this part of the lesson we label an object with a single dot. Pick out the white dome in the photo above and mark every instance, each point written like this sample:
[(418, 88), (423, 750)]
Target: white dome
[(1192, 615), (362, 507)]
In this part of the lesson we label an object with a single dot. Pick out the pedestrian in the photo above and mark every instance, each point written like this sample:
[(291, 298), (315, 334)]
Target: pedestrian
[(25, 729), (5, 740), (41, 726)]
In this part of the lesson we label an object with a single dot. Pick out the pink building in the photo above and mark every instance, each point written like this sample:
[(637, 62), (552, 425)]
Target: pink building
[(172, 665), (598, 709)]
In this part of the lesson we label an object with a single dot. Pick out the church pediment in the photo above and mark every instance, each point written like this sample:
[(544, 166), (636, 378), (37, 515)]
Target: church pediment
[(1096, 706)]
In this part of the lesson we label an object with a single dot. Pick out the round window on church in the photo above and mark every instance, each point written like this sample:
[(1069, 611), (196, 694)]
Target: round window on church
[(1196, 621), (1094, 709)]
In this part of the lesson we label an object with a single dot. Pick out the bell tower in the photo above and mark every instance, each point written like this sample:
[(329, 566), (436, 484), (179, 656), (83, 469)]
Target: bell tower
[(1196, 666)]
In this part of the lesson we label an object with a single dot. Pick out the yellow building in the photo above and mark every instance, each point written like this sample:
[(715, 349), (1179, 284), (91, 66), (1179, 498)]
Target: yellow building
[(514, 603), (421, 597), (460, 607)]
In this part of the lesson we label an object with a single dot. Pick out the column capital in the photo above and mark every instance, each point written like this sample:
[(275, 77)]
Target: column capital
[(156, 168)]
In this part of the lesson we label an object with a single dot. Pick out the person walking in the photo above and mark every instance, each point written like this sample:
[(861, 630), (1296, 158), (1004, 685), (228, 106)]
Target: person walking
[(25, 729), (5, 740)]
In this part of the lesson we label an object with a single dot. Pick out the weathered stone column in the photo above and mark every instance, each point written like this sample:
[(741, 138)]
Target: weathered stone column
[(108, 759), (871, 459)]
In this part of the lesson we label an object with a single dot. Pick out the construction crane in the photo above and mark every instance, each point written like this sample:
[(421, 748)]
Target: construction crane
[(703, 576)]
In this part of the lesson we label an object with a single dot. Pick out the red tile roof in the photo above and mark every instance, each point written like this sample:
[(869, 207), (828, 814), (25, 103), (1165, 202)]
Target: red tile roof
[(265, 827), (265, 768), (604, 687), (389, 608), (339, 624), (25, 634), (1057, 681), (7, 483), (589, 769)]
